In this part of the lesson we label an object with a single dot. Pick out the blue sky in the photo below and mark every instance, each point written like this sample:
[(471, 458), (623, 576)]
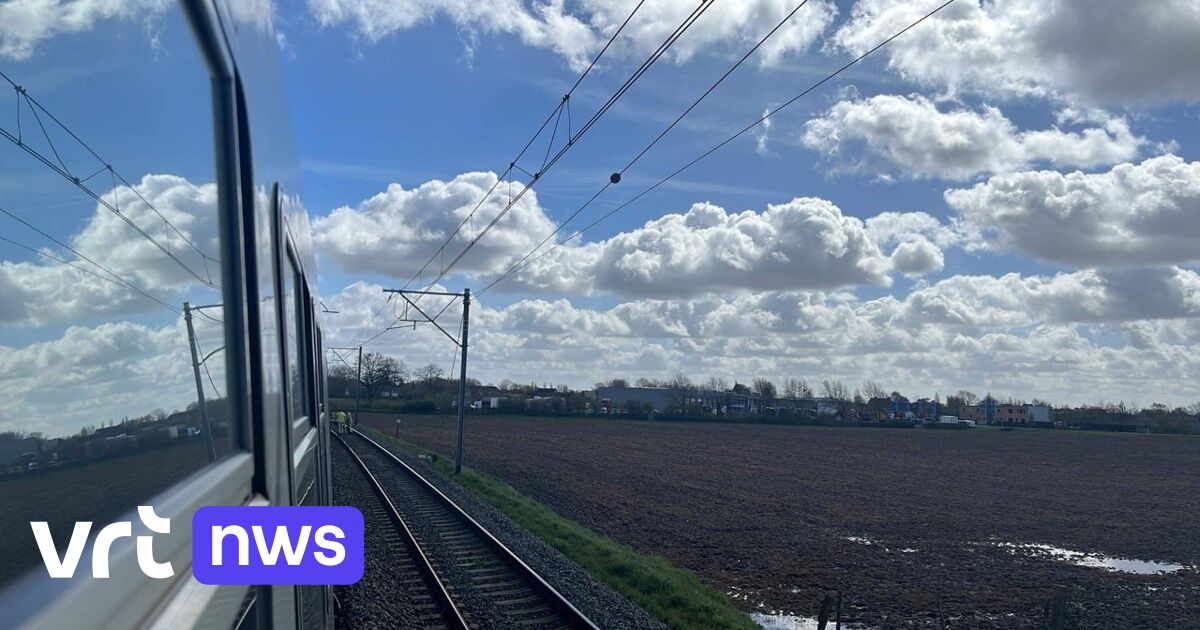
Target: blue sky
[(1004, 199)]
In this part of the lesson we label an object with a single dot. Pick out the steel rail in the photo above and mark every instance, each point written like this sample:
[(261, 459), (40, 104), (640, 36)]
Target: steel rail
[(560, 603), (437, 587)]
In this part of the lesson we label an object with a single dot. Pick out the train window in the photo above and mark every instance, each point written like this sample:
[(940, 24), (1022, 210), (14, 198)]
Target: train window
[(292, 327), (112, 370)]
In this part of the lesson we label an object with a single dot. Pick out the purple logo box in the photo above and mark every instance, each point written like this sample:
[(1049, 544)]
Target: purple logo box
[(277, 545)]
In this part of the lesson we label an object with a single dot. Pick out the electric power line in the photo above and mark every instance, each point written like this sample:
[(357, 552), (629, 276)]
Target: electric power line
[(655, 141), (556, 114), (81, 183), (715, 148), (115, 278), (683, 27)]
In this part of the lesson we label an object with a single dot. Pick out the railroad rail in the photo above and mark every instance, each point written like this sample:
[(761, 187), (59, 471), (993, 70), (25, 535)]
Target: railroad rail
[(483, 578), (429, 604)]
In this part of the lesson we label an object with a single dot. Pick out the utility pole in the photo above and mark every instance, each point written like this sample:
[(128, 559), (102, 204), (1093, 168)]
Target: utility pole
[(201, 405), (462, 382), (357, 385), (461, 342)]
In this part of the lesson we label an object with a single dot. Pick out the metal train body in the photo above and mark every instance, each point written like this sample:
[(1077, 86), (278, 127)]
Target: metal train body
[(275, 450)]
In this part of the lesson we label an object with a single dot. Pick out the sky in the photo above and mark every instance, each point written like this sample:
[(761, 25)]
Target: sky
[(1004, 199)]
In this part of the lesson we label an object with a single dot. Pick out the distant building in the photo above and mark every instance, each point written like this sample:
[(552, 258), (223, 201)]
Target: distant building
[(616, 398), (1010, 415), (12, 452)]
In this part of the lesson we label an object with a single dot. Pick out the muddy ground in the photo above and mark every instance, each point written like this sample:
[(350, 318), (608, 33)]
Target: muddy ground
[(904, 522)]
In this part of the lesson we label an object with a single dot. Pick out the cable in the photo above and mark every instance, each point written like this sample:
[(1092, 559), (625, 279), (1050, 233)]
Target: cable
[(714, 149), (62, 169), (679, 31), (657, 138), (116, 278), (557, 112), (686, 24), (204, 364)]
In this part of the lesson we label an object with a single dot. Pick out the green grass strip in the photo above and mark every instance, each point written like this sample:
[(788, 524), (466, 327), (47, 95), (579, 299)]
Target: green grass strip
[(673, 595)]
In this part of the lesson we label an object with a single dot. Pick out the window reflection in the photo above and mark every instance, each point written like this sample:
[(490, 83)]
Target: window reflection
[(108, 227)]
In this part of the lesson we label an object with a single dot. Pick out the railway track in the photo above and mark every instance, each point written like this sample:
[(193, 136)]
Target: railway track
[(485, 584)]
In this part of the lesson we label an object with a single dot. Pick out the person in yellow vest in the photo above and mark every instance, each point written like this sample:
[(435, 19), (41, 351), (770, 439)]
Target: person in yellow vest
[(339, 422)]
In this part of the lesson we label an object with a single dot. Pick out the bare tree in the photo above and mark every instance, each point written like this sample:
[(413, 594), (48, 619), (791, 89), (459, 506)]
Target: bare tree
[(765, 388), (835, 390), (796, 388), (428, 374), (968, 398), (717, 384), (680, 387), (872, 389), (379, 371)]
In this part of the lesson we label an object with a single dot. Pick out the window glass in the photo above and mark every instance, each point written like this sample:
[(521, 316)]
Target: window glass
[(111, 324), (291, 314)]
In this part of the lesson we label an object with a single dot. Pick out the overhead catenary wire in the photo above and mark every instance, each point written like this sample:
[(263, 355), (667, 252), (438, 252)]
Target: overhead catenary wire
[(717, 147), (629, 82), (445, 269), (657, 138), (112, 275), (81, 183), (679, 31), (555, 113)]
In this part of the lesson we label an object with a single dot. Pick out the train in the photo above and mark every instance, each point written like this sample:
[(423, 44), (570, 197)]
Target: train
[(194, 372)]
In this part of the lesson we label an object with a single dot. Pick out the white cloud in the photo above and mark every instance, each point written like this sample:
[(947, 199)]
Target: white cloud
[(806, 243), (90, 375), (396, 231), (42, 291), (1133, 214), (24, 24), (1095, 50), (910, 136), (1131, 334), (763, 135), (1091, 296), (917, 257), (577, 34)]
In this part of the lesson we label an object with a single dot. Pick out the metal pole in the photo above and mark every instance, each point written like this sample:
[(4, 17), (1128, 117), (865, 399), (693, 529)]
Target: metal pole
[(462, 381), (357, 386), (201, 405)]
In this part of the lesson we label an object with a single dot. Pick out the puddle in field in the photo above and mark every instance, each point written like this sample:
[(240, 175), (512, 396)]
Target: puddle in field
[(863, 540), (1109, 563), (795, 622), (784, 622)]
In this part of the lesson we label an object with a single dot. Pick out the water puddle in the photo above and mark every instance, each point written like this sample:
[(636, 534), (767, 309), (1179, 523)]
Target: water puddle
[(863, 540), (1109, 563), (785, 622)]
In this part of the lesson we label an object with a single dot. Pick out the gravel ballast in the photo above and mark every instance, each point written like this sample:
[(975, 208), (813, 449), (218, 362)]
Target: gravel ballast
[(378, 600), (604, 606)]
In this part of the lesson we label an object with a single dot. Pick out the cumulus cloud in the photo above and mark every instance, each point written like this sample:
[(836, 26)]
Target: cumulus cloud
[(394, 232), (910, 136), (89, 375), (1095, 50), (42, 291), (1133, 214), (1090, 296), (1059, 337), (806, 243), (577, 33), (24, 24)]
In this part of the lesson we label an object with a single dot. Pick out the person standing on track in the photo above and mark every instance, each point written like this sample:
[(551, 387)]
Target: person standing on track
[(339, 422)]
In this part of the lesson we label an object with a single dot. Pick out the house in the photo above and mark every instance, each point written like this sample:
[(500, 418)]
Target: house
[(1009, 415), (12, 452)]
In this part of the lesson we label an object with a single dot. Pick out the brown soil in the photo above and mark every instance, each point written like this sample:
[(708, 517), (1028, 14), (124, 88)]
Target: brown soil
[(766, 513)]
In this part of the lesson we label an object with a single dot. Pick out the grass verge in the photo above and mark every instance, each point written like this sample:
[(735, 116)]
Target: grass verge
[(673, 595)]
